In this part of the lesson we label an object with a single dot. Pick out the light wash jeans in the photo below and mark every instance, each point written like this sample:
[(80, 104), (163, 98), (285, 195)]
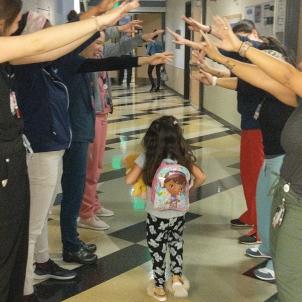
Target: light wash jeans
[(44, 170), (268, 176)]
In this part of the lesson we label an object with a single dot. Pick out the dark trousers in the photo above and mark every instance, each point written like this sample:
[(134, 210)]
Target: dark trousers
[(14, 218), (150, 71), (165, 235), (129, 76), (73, 185)]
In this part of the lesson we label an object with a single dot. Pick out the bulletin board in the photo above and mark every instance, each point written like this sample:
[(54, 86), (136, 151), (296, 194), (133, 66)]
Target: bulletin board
[(263, 16)]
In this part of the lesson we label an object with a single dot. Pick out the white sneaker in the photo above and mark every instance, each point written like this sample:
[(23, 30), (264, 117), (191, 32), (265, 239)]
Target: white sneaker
[(103, 212), (265, 274), (93, 223)]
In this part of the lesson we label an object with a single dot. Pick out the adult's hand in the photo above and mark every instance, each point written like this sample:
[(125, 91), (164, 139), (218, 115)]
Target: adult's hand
[(106, 5), (156, 59), (178, 39), (150, 36), (131, 27), (195, 25), (113, 16), (229, 41), (203, 77)]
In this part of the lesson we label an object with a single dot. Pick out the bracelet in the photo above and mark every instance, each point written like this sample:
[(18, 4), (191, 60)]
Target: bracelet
[(98, 26), (244, 48), (214, 81)]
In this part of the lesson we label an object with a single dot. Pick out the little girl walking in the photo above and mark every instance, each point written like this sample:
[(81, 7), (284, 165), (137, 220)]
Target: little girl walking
[(168, 169)]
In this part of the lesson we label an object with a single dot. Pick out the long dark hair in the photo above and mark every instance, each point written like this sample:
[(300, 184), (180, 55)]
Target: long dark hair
[(9, 10), (272, 43), (164, 139)]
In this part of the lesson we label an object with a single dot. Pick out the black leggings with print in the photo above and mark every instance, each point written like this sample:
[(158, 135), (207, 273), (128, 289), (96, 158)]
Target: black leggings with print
[(165, 235)]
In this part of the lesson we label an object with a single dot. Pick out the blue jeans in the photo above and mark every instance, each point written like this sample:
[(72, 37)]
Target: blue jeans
[(268, 175), (73, 185)]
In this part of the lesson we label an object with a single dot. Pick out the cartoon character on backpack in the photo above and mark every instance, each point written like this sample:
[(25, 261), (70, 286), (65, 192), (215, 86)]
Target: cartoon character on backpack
[(175, 183), (171, 186)]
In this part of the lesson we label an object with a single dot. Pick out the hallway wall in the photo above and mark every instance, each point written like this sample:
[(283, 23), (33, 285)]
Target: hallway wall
[(175, 69), (55, 10)]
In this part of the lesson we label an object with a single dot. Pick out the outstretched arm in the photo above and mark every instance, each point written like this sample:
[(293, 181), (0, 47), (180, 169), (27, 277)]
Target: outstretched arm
[(252, 75), (58, 36), (282, 72), (123, 62)]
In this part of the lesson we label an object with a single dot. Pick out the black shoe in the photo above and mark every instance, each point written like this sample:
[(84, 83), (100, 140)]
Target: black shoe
[(89, 247), (51, 270), (239, 224), (248, 239), (82, 256), (157, 89), (152, 88)]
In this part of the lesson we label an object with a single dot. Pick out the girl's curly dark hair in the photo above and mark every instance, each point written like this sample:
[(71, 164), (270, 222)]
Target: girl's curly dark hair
[(164, 139)]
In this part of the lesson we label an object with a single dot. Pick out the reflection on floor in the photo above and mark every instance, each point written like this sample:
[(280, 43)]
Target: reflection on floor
[(214, 261)]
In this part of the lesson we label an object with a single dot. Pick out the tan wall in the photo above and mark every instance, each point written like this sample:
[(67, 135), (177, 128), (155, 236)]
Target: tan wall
[(194, 85), (299, 56), (151, 21), (176, 78)]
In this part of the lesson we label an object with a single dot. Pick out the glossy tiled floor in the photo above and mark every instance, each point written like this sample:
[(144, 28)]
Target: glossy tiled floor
[(214, 261)]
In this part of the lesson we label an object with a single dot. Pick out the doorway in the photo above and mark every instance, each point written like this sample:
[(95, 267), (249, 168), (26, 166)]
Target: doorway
[(187, 54)]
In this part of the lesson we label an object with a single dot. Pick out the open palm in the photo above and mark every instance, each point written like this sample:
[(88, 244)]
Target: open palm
[(229, 41)]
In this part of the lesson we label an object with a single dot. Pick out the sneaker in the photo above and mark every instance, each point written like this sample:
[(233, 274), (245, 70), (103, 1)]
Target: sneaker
[(265, 274), (103, 212), (249, 239), (93, 223), (50, 270), (157, 293), (254, 252), (237, 223)]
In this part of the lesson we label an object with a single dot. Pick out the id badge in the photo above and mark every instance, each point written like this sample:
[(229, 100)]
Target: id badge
[(279, 215), (13, 105)]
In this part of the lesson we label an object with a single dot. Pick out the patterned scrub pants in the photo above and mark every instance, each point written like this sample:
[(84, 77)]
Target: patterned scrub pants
[(165, 235)]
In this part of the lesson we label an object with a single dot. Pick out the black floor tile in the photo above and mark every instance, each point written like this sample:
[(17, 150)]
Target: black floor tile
[(89, 276), (202, 138), (216, 187), (272, 299), (114, 174)]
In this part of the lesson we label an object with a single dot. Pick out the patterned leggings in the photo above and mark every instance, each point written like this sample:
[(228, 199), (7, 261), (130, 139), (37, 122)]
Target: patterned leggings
[(164, 235)]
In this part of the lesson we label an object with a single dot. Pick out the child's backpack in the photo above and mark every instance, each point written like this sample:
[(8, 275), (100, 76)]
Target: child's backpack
[(170, 187)]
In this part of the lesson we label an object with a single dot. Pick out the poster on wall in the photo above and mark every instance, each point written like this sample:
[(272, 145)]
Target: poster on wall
[(250, 13), (263, 16)]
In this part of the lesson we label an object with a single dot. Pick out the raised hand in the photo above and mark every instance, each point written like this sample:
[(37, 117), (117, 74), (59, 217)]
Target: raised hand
[(161, 58), (196, 26), (112, 17), (106, 5), (131, 27), (149, 37), (209, 48), (178, 39), (229, 41), (203, 77)]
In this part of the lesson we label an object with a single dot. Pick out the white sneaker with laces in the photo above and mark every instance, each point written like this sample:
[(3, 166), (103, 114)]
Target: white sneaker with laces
[(103, 212), (254, 252), (265, 274), (93, 223)]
